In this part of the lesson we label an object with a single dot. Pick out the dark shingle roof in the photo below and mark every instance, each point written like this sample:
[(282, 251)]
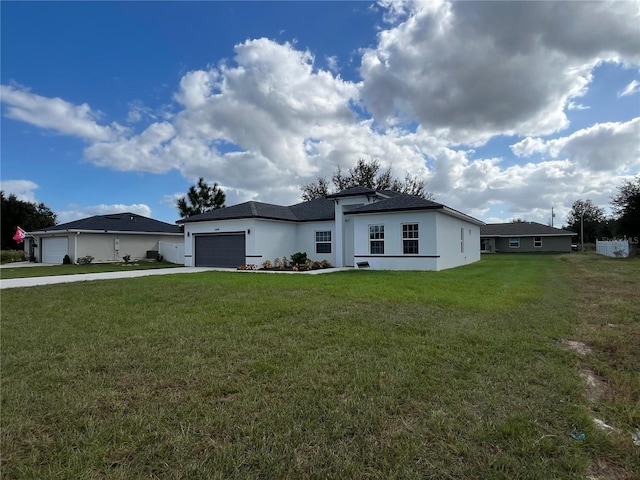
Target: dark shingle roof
[(319, 209), (249, 209), (397, 201), (352, 192), (323, 208), (521, 229), (117, 222)]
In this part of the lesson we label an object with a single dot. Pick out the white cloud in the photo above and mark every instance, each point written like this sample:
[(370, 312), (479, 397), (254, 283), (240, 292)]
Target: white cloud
[(601, 147), (630, 89), (55, 114), (470, 70), (576, 106), (269, 120), (24, 190), (76, 212)]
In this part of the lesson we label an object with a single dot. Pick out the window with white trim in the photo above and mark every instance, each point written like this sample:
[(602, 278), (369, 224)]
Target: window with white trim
[(514, 242), (462, 240), (323, 242), (410, 238), (537, 242), (376, 239)]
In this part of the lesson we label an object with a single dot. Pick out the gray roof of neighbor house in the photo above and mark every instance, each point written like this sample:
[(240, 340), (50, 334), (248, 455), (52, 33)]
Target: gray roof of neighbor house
[(521, 229), (323, 208), (116, 222)]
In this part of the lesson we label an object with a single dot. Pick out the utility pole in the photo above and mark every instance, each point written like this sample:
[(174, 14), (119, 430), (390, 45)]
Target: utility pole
[(552, 216), (582, 231)]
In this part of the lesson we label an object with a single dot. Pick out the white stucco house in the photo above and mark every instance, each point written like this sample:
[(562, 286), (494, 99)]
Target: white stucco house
[(107, 238), (357, 227)]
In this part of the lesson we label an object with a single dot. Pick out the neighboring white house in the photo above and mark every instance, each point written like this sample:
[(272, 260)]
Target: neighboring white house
[(107, 238), (358, 227)]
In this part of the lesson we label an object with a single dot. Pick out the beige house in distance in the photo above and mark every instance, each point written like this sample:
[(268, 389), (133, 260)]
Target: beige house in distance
[(107, 238)]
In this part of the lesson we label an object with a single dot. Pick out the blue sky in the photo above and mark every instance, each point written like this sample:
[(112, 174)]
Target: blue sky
[(506, 109)]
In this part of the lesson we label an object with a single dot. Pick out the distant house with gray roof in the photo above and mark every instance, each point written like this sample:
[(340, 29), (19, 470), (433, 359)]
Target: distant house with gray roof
[(358, 227), (107, 238), (523, 237)]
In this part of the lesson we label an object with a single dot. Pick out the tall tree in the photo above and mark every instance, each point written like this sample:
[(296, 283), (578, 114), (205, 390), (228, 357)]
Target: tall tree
[(28, 215), (365, 174), (201, 198), (626, 207), (593, 217)]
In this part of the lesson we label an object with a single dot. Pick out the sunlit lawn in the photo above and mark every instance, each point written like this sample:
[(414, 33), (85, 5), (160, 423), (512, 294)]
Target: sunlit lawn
[(364, 374)]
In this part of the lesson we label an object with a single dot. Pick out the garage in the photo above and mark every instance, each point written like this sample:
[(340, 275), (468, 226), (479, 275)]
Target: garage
[(226, 250), (54, 249)]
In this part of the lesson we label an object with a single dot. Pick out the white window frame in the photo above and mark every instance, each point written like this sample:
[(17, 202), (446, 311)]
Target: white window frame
[(537, 242), (410, 236), (376, 234), (514, 242), (461, 239), (323, 241)]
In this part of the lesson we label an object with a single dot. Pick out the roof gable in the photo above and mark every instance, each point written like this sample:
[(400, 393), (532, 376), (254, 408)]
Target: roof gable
[(116, 222)]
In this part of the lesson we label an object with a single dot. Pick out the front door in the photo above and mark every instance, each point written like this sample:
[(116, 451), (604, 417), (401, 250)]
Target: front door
[(347, 243)]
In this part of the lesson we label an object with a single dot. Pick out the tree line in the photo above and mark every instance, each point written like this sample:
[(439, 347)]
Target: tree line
[(624, 222)]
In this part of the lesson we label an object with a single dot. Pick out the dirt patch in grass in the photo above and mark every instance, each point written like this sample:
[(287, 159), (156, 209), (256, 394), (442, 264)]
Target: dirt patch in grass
[(575, 346), (595, 386)]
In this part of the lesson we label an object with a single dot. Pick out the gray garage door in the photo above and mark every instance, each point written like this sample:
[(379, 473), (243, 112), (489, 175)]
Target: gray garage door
[(54, 249), (220, 250)]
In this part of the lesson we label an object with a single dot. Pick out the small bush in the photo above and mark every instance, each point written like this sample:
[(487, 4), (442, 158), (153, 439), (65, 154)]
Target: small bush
[(285, 262), (160, 258), (8, 256), (277, 263), (266, 264), (326, 264), (316, 266), (299, 258), (126, 258), (87, 259), (66, 260)]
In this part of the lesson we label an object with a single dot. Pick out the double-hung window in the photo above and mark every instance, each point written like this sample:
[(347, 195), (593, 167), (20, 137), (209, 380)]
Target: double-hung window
[(323, 242), (537, 242), (376, 239), (410, 238), (514, 242)]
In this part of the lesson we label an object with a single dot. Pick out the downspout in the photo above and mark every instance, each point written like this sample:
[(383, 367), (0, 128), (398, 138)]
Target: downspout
[(75, 248)]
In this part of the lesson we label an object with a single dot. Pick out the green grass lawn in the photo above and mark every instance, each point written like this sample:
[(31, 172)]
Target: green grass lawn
[(363, 374), (7, 272)]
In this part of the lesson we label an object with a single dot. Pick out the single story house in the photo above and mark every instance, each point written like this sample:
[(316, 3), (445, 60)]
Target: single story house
[(358, 227), (107, 238), (521, 237)]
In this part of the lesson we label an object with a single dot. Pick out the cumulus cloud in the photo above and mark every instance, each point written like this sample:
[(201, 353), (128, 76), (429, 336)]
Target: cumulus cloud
[(76, 212), (55, 114), (601, 147), (471, 70), (442, 78), (24, 190)]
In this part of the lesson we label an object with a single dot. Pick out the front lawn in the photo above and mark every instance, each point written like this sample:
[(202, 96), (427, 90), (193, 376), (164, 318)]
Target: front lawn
[(362, 374), (7, 272)]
